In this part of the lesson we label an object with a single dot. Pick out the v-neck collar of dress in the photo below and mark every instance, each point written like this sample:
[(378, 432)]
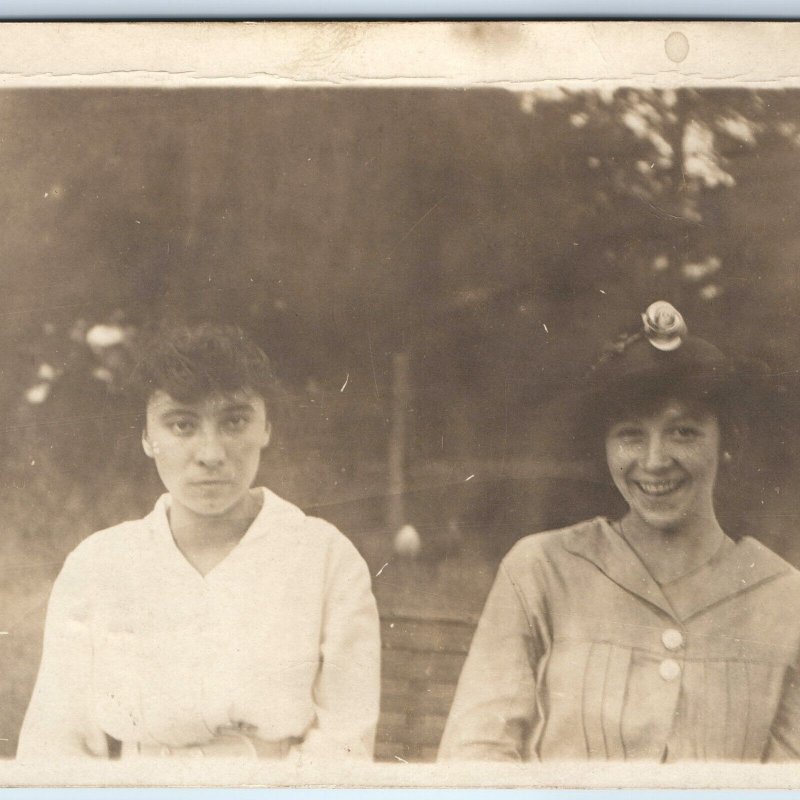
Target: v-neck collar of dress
[(732, 571), (275, 513)]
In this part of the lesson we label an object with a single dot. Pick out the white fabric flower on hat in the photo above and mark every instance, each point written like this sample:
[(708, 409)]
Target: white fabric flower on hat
[(664, 326)]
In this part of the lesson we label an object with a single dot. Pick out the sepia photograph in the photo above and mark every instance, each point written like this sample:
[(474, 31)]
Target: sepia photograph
[(400, 404)]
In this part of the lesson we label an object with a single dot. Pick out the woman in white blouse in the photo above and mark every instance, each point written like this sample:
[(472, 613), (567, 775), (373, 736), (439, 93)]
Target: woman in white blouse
[(226, 622)]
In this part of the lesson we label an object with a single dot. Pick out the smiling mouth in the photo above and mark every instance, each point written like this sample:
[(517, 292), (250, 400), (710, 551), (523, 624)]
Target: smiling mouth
[(660, 488)]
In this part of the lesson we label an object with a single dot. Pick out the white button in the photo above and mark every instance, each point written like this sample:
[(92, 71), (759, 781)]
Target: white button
[(672, 639), (166, 751), (669, 669)]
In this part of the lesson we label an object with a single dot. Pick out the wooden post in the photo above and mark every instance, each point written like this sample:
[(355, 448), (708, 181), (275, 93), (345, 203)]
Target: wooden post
[(401, 395)]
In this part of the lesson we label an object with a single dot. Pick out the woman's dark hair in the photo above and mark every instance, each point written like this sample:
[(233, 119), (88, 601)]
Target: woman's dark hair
[(192, 362), (643, 398)]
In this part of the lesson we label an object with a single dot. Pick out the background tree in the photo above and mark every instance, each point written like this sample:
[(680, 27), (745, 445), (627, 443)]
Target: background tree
[(495, 238)]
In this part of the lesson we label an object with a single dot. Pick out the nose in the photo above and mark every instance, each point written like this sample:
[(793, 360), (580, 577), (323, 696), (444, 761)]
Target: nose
[(210, 450), (656, 456)]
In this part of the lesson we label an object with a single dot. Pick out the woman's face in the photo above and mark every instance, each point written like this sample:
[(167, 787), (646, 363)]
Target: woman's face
[(207, 453), (665, 464)]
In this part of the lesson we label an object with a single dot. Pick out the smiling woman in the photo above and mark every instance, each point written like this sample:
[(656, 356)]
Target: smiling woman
[(653, 636), (226, 622), (664, 463)]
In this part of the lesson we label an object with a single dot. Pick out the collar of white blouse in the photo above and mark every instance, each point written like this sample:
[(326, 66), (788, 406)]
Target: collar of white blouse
[(275, 514)]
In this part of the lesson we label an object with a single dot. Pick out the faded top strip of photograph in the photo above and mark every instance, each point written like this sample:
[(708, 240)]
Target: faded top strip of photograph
[(520, 56)]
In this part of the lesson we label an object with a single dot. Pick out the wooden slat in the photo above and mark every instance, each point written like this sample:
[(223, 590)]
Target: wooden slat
[(424, 698), (419, 666), (394, 751), (394, 686), (433, 698), (393, 719), (422, 661), (426, 730), (397, 703), (424, 635), (394, 728), (423, 754)]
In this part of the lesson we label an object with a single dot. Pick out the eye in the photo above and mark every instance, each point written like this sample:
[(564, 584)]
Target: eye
[(686, 432), (182, 427), (626, 432), (235, 423)]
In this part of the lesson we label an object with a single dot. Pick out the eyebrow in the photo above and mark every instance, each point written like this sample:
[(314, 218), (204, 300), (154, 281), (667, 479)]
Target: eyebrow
[(683, 416), (688, 413), (624, 423), (237, 407), (225, 409), (178, 411)]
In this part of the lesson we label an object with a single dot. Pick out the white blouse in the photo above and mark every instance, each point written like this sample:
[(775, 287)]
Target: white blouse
[(281, 635)]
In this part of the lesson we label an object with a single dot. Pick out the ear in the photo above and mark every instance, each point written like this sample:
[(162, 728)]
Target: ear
[(267, 434), (147, 445)]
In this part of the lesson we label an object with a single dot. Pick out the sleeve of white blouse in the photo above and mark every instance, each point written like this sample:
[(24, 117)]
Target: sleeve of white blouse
[(347, 689), (58, 721), (494, 708)]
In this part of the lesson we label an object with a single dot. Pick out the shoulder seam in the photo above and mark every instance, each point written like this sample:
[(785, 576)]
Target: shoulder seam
[(520, 599)]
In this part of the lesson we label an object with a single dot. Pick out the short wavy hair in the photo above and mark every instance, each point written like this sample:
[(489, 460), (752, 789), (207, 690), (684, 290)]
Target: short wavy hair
[(192, 362), (597, 414)]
